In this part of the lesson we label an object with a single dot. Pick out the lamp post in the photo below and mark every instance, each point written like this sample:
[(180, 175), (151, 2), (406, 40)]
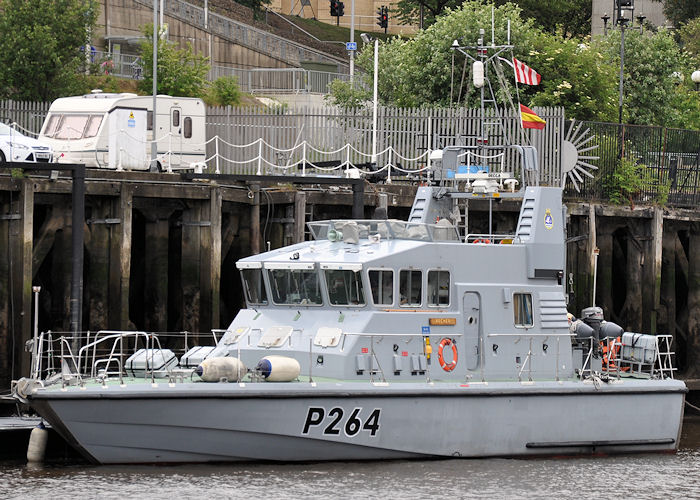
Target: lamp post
[(605, 17), (367, 39), (640, 18), (696, 79), (154, 144)]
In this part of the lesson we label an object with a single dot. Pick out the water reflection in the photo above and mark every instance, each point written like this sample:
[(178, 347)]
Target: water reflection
[(645, 476)]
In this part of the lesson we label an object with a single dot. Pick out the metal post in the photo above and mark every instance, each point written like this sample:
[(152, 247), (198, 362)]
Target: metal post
[(374, 103), (622, 77), (35, 345), (352, 39), (154, 144)]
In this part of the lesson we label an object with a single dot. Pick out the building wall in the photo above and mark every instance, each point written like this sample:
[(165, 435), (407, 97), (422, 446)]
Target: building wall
[(365, 13), (653, 11)]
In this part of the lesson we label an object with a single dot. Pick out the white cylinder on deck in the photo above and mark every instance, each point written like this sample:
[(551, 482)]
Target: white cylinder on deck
[(221, 369), (279, 368), (478, 73), (37, 444)]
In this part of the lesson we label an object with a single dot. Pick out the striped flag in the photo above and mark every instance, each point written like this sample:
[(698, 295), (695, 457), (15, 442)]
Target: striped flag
[(530, 119), (525, 74)]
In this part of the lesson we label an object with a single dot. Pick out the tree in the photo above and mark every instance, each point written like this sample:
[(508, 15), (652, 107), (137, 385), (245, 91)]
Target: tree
[(654, 74), (571, 18), (40, 46), (181, 72), (418, 71), (680, 11), (690, 37)]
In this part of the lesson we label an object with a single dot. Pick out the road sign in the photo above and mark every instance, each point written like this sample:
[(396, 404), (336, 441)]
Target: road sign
[(350, 45)]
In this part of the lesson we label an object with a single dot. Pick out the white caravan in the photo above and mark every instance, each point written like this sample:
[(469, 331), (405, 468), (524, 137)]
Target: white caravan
[(115, 131)]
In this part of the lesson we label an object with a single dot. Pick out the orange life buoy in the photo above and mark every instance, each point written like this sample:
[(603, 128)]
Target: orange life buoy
[(448, 367), (482, 240)]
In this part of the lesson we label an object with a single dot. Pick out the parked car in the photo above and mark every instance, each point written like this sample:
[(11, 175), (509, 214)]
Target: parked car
[(15, 146)]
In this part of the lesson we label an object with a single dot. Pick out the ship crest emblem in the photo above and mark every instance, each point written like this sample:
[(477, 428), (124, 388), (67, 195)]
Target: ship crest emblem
[(548, 220)]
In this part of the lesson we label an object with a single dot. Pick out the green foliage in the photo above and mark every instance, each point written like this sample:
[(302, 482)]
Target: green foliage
[(347, 96), (680, 11), (690, 38), (181, 72), (256, 6), (571, 18), (654, 69), (225, 91), (40, 46), (630, 178), (417, 72)]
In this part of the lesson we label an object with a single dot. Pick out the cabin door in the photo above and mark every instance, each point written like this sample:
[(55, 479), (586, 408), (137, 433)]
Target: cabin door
[(471, 306), (176, 136)]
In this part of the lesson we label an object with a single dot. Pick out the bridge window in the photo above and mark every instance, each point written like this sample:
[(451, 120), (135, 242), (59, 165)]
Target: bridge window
[(438, 288), (345, 287), (410, 288), (382, 284), (254, 286), (522, 310), (295, 287)]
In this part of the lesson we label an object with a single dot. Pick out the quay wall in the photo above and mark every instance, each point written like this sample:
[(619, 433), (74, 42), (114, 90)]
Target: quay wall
[(160, 253)]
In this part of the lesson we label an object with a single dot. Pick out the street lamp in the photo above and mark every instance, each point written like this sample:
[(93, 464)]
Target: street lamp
[(367, 39), (696, 79)]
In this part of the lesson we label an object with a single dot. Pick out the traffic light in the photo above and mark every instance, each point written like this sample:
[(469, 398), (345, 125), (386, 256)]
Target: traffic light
[(334, 8), (383, 17), (341, 9)]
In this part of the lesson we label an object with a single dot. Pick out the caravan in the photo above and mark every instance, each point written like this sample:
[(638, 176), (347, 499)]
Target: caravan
[(115, 131)]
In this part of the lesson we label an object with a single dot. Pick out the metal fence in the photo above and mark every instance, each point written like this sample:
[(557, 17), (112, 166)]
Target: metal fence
[(669, 159), (668, 164), (409, 132)]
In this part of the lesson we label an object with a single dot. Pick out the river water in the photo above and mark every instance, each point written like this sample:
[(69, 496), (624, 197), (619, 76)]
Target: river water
[(633, 476)]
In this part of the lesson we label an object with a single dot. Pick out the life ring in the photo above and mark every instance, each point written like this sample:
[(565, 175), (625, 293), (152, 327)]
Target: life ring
[(482, 240), (448, 367)]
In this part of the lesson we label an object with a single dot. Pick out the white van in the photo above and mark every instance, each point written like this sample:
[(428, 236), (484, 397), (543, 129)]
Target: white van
[(115, 131)]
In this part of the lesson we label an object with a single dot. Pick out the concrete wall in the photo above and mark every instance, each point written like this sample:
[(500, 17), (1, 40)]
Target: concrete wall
[(124, 18)]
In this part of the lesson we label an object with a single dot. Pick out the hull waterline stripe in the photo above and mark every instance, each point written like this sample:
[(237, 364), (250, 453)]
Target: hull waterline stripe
[(594, 444)]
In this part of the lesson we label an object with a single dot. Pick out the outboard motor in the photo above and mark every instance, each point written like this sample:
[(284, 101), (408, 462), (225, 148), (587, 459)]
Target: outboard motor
[(593, 316)]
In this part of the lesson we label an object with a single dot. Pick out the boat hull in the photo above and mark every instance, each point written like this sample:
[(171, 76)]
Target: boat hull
[(309, 422)]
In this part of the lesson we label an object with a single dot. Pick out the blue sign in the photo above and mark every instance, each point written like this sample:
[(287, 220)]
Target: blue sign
[(350, 45), (426, 330)]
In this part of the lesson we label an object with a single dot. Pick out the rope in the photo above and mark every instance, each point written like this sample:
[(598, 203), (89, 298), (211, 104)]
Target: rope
[(693, 407)]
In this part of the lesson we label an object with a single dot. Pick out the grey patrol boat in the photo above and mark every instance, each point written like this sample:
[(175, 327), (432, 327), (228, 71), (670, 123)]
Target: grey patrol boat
[(383, 339)]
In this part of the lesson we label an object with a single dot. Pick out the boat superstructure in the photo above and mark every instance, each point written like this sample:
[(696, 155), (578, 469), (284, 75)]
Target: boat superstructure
[(383, 339)]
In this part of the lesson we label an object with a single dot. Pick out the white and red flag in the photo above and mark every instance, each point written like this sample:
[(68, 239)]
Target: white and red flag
[(525, 74)]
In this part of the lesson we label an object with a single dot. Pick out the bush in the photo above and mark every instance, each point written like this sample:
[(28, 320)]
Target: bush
[(225, 91), (632, 178)]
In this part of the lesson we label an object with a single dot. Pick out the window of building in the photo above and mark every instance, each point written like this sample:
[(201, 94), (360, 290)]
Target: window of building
[(438, 288), (382, 284), (522, 310), (345, 287), (410, 288)]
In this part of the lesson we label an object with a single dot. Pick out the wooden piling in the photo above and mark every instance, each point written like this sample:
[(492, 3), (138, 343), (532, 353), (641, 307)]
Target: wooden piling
[(23, 282), (657, 236), (693, 333), (299, 216), (120, 265), (156, 261), (215, 215)]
